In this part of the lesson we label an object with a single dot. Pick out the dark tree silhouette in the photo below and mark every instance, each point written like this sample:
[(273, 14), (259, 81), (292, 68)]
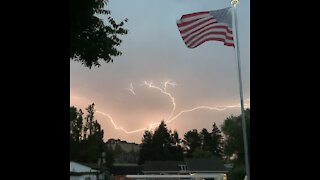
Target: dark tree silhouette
[(84, 146), (162, 145), (192, 141), (90, 39)]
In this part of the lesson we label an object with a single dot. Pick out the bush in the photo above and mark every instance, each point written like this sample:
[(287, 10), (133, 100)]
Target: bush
[(237, 173)]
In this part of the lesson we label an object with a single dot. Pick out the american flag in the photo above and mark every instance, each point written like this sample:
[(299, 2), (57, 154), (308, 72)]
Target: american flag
[(197, 28)]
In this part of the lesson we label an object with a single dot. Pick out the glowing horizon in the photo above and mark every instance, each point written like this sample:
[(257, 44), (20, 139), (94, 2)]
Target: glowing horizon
[(163, 90)]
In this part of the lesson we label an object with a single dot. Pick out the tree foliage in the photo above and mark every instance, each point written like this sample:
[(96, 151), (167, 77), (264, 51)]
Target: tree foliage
[(162, 145), (217, 142), (90, 39), (237, 173), (232, 129), (86, 137), (199, 153), (192, 141), (204, 142), (76, 124)]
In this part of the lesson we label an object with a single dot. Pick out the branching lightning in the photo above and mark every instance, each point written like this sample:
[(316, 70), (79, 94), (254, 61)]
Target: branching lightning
[(131, 89), (164, 91), (171, 116)]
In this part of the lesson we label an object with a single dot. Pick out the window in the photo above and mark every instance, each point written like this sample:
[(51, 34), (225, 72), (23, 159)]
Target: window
[(183, 167)]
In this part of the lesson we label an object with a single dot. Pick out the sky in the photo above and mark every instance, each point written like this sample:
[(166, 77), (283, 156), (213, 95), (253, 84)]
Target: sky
[(158, 78)]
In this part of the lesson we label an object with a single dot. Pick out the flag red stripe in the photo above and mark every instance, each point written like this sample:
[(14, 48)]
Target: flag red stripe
[(197, 28), (209, 33), (213, 39), (197, 24), (199, 31), (181, 24)]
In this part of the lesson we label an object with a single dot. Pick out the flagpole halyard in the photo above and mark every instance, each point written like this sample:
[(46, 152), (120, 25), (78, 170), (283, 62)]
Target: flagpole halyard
[(245, 140)]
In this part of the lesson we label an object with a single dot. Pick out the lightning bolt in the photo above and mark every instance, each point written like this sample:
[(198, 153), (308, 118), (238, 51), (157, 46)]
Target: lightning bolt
[(171, 118), (117, 127), (217, 108), (131, 89), (164, 91)]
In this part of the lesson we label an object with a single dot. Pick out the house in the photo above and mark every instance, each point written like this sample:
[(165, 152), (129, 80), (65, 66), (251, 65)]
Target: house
[(206, 168), (87, 171), (120, 170), (192, 169), (125, 146), (129, 151), (164, 167)]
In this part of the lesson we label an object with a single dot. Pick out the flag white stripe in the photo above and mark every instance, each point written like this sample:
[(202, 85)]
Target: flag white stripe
[(193, 18), (199, 27), (205, 32), (197, 22), (211, 36)]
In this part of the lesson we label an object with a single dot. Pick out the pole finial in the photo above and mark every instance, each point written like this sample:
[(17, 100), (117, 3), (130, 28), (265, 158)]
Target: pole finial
[(234, 2)]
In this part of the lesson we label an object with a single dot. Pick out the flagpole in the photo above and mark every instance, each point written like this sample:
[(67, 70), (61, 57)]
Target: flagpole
[(245, 140)]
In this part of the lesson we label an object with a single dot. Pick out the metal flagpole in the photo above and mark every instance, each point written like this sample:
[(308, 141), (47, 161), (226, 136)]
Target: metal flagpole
[(245, 140)]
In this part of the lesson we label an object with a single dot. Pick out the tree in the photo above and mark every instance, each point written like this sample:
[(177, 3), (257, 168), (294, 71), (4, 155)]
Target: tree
[(192, 141), (90, 39), (175, 146), (198, 153), (109, 157), (161, 142), (146, 148), (217, 142), (89, 118), (232, 129), (76, 124), (93, 143), (75, 132), (206, 140), (86, 147), (237, 173), (162, 145)]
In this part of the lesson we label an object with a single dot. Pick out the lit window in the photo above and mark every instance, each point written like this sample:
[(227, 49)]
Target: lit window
[(225, 177)]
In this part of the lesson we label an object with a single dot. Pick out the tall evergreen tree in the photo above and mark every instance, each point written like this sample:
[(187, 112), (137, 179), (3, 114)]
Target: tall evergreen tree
[(206, 140), (175, 146), (147, 149), (217, 142), (75, 132), (192, 141), (87, 146), (90, 118), (161, 142), (162, 145)]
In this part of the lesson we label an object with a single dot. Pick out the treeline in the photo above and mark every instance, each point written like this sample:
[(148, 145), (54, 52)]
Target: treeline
[(162, 144), (86, 138), (227, 144), (165, 145)]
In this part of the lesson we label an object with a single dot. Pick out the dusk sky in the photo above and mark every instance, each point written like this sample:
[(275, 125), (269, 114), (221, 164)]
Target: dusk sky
[(154, 51)]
